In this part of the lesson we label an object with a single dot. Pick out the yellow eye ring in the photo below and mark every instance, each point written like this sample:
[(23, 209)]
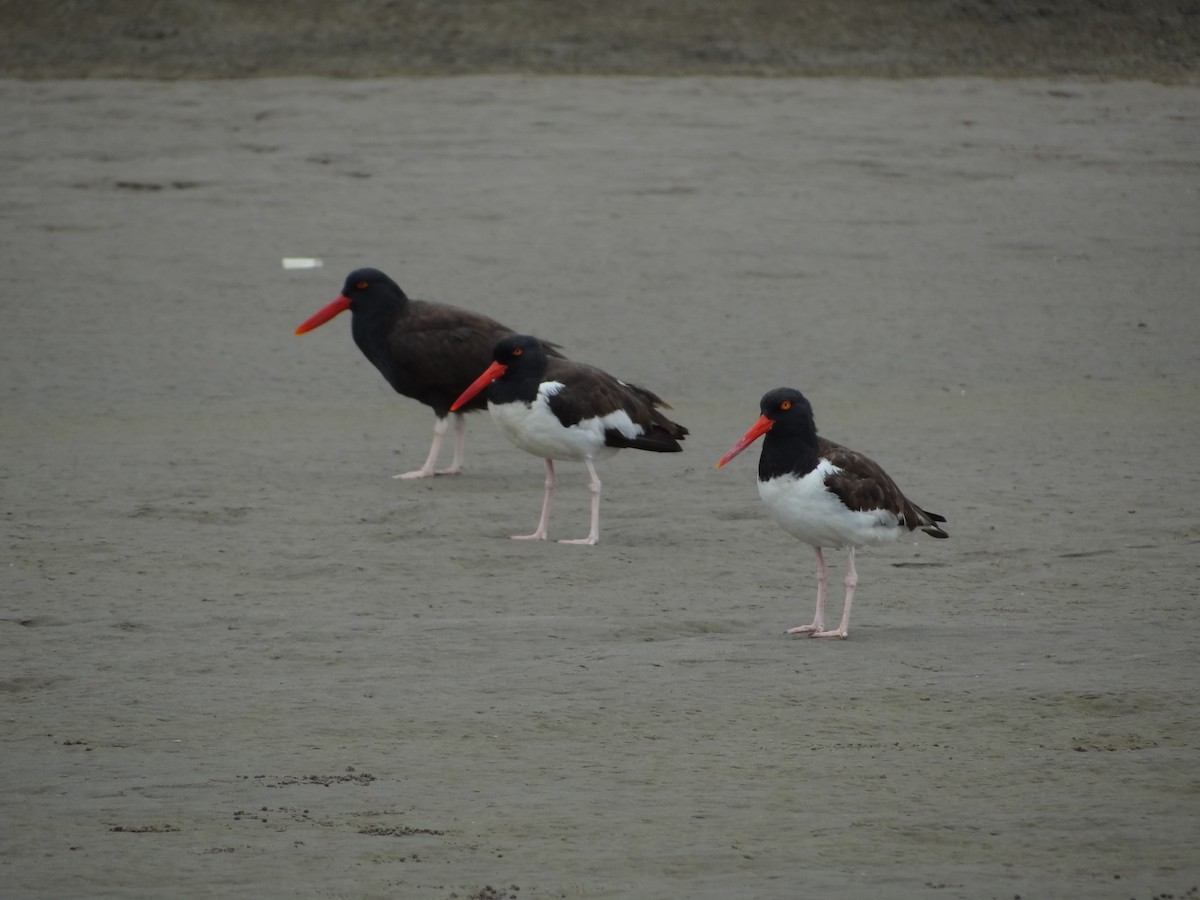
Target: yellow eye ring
[(517, 351), (785, 405)]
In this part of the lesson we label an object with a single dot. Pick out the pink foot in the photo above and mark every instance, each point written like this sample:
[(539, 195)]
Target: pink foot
[(417, 473), (805, 629), (836, 633), (429, 473)]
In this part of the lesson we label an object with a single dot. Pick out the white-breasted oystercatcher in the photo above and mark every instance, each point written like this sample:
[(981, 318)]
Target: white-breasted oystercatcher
[(560, 409), (825, 494)]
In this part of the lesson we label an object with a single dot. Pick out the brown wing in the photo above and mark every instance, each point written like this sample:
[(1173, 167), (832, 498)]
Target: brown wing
[(590, 392), (863, 485)]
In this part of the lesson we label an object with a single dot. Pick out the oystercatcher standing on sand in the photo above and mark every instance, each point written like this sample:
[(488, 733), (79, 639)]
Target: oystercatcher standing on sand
[(427, 351), (825, 494), (559, 409)]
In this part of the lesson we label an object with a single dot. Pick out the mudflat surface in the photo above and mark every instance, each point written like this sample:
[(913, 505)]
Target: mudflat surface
[(239, 658)]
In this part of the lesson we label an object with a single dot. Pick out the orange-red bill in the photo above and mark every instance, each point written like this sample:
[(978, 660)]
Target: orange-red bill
[(317, 319), (494, 371), (757, 430)]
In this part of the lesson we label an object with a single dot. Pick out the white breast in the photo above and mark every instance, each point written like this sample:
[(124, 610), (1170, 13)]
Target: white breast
[(535, 429), (807, 510)]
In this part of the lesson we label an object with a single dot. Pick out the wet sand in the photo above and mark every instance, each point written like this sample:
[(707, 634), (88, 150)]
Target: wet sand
[(240, 659)]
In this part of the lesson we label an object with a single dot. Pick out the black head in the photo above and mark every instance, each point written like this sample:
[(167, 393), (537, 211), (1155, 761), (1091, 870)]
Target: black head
[(788, 410), (790, 445), (522, 361), (369, 295), (787, 422), (365, 287), (520, 352)]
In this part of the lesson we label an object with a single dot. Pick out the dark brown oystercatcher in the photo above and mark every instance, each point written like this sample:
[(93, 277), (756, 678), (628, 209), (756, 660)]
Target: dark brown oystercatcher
[(427, 351), (825, 494), (558, 409)]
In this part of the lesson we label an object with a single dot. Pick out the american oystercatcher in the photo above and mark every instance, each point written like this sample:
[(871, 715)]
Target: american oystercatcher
[(427, 351), (825, 494), (559, 409)]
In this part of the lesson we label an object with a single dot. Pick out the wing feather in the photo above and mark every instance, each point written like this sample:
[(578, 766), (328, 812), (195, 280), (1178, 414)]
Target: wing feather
[(864, 486)]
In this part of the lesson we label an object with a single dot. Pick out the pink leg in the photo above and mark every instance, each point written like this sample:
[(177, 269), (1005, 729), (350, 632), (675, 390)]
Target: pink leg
[(460, 444), (439, 434), (540, 534), (593, 487), (818, 622), (843, 630)]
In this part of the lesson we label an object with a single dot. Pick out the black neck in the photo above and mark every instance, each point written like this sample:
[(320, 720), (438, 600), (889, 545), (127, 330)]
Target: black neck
[(372, 322), (788, 451)]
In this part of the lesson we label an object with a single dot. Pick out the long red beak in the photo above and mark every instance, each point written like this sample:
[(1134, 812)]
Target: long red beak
[(340, 305), (757, 430), (494, 371)]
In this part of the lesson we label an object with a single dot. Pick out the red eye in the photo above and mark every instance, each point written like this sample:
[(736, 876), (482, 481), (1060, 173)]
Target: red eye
[(362, 285), (517, 351), (785, 405)]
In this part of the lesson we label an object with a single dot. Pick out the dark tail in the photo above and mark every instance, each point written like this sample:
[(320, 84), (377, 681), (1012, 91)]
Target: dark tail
[(658, 439), (926, 523)]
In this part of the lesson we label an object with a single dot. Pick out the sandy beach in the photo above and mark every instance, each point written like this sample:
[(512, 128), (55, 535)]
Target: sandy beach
[(239, 659)]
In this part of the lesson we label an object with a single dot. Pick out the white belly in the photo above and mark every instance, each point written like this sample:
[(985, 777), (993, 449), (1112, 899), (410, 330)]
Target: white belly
[(808, 511), (535, 429)]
